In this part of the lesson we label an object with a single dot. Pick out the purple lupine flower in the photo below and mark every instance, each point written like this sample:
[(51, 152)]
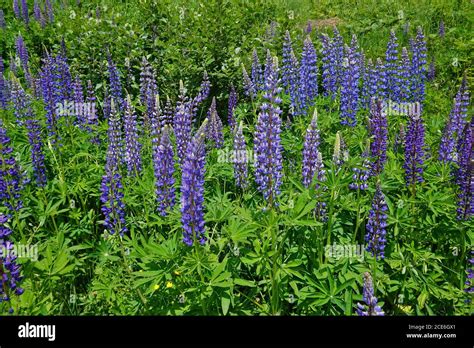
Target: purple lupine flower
[(462, 98), (2, 20), (310, 151), (11, 180), (403, 78), (9, 268), (18, 101), (214, 128), (114, 137), (132, 145), (167, 114), (309, 28), (49, 10), (328, 74), (111, 197), (337, 57), (249, 88), (182, 123), (287, 68), (257, 77), (148, 90), (448, 139), (24, 8), (418, 72), (192, 189), (267, 143), (414, 147), (376, 225), (442, 30), (240, 158), (381, 79), (78, 97), (37, 13), (370, 308), (379, 133), (204, 89), (294, 85), (350, 85), (16, 9), (361, 174), (23, 110), (115, 84), (268, 66), (107, 101), (232, 104), (22, 52), (391, 59), (163, 163), (308, 74), (465, 173), (432, 70)]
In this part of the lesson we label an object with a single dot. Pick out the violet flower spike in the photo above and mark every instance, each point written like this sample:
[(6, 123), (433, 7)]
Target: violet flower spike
[(192, 189)]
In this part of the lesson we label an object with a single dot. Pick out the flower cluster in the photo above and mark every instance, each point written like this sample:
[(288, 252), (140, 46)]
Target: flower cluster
[(112, 195), (418, 67), (361, 174), (370, 308), (163, 163), (376, 225), (414, 147), (308, 73), (192, 189), (267, 143), (350, 84), (465, 173), (148, 90), (214, 128), (257, 77)]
